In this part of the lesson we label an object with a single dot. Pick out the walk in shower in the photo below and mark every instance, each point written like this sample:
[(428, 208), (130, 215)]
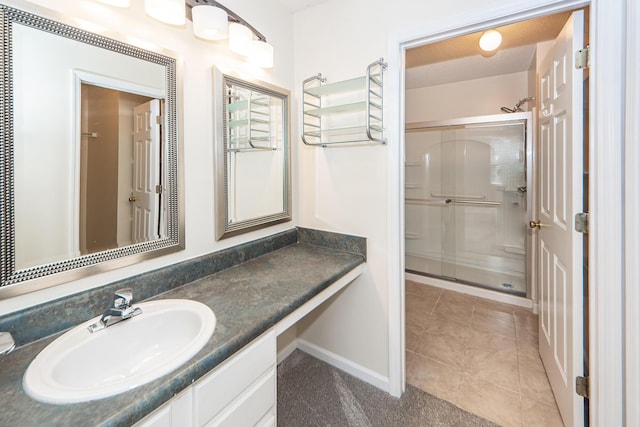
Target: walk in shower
[(468, 200)]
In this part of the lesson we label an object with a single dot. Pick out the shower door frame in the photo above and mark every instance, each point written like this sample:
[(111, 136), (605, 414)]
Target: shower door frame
[(529, 141)]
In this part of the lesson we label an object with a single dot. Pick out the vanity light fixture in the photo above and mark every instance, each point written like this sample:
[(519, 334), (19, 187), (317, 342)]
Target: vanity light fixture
[(240, 38), (116, 3), (490, 40), (171, 12), (261, 54), (211, 21)]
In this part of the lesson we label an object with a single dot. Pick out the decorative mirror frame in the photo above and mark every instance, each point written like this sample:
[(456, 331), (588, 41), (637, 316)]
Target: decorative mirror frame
[(222, 226), (47, 275)]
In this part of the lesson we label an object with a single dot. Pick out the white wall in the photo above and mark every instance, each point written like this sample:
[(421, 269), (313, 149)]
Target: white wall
[(345, 189), (468, 98), (271, 19)]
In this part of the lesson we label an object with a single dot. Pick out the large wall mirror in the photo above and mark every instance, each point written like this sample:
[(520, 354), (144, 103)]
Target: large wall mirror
[(90, 160), (253, 185)]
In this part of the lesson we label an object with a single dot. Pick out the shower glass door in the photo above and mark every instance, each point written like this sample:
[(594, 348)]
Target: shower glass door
[(466, 202)]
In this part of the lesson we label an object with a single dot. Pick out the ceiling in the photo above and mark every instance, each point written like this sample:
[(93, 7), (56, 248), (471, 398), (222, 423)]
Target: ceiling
[(296, 5), (461, 58)]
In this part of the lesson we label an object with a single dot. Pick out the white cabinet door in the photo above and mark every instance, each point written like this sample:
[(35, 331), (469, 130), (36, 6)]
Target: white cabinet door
[(178, 412)]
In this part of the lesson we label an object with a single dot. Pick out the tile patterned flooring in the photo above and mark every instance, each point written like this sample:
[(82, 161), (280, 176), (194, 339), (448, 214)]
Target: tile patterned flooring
[(480, 355)]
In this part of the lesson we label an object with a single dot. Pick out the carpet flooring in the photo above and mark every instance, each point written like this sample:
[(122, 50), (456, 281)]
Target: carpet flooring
[(312, 393)]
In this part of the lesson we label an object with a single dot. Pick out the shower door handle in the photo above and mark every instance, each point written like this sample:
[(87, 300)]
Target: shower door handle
[(536, 224)]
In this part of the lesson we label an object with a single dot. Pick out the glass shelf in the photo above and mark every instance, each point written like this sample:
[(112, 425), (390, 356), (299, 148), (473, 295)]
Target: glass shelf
[(245, 122), (359, 83), (344, 108), (361, 96), (352, 130)]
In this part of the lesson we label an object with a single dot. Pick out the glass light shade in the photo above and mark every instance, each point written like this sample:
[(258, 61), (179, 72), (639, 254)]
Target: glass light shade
[(167, 11), (210, 22), (261, 54), (240, 38), (116, 3), (490, 40)]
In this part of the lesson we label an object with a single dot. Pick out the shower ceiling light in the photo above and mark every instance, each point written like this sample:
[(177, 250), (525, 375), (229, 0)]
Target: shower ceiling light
[(490, 40), (211, 21)]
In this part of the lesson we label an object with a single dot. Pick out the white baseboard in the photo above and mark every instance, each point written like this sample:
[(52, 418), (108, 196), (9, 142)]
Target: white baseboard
[(346, 365), (286, 351), (471, 290)]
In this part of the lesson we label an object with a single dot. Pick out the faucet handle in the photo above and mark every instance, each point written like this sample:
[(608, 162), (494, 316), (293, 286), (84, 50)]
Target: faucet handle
[(123, 298)]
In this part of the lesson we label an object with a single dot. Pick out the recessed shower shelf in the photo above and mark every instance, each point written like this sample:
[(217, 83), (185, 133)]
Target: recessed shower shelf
[(345, 112)]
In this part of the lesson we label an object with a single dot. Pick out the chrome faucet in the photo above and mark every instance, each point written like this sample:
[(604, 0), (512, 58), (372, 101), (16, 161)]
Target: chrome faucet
[(121, 310), (6, 343)]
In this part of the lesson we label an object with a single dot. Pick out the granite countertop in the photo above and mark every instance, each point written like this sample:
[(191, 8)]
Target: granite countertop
[(247, 299)]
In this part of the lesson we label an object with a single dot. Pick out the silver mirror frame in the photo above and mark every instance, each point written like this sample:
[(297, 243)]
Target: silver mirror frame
[(12, 282), (222, 227)]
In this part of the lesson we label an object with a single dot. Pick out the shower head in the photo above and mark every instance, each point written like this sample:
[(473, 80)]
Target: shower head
[(518, 107)]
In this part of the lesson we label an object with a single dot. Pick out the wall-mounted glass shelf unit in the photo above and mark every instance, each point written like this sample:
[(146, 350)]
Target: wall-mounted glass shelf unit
[(248, 120), (344, 112)]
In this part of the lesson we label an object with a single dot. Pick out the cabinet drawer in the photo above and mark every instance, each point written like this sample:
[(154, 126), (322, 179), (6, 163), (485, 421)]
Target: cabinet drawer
[(251, 407), (227, 382)]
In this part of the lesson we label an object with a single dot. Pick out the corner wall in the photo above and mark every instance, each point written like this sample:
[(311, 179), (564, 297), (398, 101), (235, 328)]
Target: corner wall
[(345, 189)]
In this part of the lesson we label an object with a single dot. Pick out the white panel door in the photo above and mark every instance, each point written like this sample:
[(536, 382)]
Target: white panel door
[(561, 193), (146, 171)]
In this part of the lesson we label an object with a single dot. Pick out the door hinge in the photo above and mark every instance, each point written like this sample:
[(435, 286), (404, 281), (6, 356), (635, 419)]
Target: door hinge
[(158, 189), (582, 222), (582, 386), (158, 120), (583, 58)]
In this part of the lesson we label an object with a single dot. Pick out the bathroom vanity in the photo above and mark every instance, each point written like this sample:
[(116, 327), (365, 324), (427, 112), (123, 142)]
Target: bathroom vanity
[(257, 291)]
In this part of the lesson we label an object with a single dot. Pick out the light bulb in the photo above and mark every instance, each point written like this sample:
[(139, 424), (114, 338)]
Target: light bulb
[(261, 54), (116, 3), (167, 11), (240, 38), (210, 22), (490, 40)]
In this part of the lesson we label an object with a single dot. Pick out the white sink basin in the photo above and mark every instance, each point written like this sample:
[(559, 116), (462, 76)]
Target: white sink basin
[(80, 366)]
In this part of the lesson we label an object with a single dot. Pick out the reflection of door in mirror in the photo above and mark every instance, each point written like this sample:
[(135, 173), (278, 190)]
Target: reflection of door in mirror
[(119, 169)]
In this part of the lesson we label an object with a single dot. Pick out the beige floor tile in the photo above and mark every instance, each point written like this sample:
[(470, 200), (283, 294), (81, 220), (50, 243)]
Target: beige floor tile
[(494, 321), (461, 312), (458, 298), (433, 377), (526, 320), (494, 305), (536, 414), (418, 309), (488, 351), (481, 339), (444, 324), (414, 288), (443, 347), (497, 367), (413, 337), (534, 384), (490, 401), (528, 355)]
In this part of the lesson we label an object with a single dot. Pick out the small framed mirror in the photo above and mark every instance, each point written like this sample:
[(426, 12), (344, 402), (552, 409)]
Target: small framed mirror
[(90, 152), (252, 155)]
